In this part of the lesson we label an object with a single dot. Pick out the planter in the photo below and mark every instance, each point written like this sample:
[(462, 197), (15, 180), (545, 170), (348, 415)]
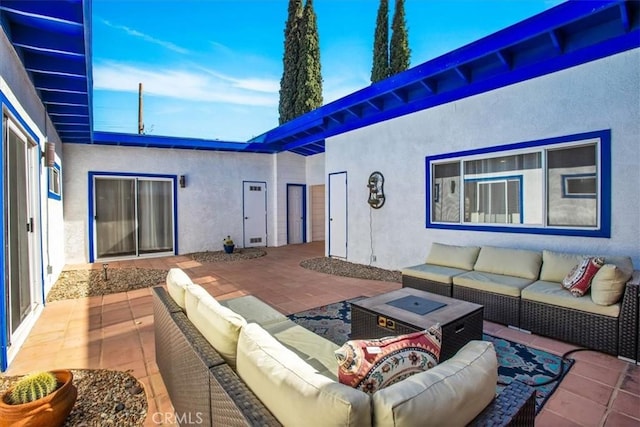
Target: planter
[(229, 248), (52, 410)]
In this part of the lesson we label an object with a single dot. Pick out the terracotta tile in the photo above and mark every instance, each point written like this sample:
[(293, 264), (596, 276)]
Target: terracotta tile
[(631, 381), (627, 403), (587, 388), (616, 419), (576, 408), (548, 418), (601, 374)]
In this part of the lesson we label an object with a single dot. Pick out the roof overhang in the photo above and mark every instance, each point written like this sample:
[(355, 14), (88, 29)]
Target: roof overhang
[(567, 35), (53, 40)]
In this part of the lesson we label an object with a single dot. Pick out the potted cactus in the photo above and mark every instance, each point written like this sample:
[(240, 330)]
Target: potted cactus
[(39, 399), (228, 244)]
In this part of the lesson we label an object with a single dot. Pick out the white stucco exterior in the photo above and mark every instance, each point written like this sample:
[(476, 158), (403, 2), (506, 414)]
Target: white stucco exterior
[(604, 94)]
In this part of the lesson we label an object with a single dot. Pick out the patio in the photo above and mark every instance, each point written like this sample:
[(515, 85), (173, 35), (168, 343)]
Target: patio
[(116, 332)]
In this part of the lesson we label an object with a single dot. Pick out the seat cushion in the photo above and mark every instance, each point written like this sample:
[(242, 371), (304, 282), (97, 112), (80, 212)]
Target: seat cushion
[(554, 294), (435, 273), (462, 257), (177, 282), (609, 282), (293, 390), (371, 365), (254, 310), (496, 283), (451, 394), (509, 262), (219, 325)]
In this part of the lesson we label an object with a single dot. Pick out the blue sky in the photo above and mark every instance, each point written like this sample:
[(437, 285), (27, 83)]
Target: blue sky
[(211, 68)]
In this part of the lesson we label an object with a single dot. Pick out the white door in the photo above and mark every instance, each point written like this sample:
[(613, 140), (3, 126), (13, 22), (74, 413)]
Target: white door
[(255, 213), (295, 213), (338, 214)]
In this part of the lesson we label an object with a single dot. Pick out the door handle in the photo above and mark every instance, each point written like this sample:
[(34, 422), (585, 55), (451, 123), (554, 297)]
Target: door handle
[(246, 217)]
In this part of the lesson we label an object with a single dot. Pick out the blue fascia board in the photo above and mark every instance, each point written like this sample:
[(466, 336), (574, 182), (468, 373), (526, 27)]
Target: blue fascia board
[(531, 30), (133, 140), (620, 44), (87, 34)]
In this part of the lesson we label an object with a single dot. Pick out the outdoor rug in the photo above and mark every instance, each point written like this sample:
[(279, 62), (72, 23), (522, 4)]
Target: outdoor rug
[(516, 362)]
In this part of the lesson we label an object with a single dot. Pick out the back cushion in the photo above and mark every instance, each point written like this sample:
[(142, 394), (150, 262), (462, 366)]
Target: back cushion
[(177, 282), (219, 325), (450, 394), (557, 265), (294, 392), (509, 262), (453, 256), (608, 284)]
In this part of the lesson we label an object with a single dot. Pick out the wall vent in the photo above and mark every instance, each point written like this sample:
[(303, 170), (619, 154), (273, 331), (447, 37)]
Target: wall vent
[(255, 240)]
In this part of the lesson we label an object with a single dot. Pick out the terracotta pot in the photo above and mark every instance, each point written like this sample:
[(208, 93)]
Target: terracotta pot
[(51, 410)]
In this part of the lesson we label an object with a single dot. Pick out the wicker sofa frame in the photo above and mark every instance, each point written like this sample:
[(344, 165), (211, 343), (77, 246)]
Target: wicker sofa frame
[(205, 390), (616, 336)]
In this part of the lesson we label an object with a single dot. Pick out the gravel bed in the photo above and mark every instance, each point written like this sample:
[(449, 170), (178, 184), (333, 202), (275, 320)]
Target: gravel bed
[(222, 256), (74, 284), (105, 398), (349, 269)]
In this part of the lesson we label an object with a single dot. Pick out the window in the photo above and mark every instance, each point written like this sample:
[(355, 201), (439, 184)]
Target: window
[(556, 186), (55, 191)]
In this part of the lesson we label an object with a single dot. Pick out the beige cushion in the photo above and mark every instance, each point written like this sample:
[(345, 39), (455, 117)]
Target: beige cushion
[(312, 348), (462, 257), (254, 310), (450, 394), (510, 262), (554, 294), (435, 273), (177, 282), (294, 392), (496, 283), (609, 282), (557, 265), (219, 325), (192, 297)]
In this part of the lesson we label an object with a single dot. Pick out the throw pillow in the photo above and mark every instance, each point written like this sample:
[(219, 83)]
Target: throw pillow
[(369, 365), (579, 278)]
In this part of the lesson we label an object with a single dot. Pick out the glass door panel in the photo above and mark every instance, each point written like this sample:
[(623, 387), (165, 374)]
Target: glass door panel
[(115, 217), (155, 216)]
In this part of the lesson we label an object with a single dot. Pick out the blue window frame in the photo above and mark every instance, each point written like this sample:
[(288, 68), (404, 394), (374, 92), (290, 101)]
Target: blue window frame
[(559, 186), (54, 182)]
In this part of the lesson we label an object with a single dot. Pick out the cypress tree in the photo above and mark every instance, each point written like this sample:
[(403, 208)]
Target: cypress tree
[(380, 68), (288, 86), (309, 78), (400, 52)]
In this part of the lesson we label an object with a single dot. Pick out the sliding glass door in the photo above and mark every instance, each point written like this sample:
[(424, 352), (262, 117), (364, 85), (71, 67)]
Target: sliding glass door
[(133, 216)]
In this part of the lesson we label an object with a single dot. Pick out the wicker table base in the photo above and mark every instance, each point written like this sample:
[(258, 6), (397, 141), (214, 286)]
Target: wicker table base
[(461, 321)]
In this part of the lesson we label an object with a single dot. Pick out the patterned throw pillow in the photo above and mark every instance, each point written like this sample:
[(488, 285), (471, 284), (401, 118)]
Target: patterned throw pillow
[(579, 278), (370, 365)]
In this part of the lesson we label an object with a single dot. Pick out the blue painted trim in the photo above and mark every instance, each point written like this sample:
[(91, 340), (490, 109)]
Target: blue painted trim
[(266, 219), (304, 212), (563, 183), (604, 231), (92, 174), (3, 238), (8, 109), (52, 194), (518, 178)]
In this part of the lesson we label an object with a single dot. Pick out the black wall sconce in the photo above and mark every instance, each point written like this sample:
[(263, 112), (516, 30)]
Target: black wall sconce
[(376, 190), (183, 181), (49, 154), (453, 186)]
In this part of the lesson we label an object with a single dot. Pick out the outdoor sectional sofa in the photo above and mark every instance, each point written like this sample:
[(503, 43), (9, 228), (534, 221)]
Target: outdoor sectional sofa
[(522, 288), (221, 367)]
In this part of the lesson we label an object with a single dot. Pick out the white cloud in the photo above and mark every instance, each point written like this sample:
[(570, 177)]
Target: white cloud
[(146, 37), (185, 84)]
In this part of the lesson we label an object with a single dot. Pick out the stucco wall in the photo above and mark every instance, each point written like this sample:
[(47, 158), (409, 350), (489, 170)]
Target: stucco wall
[(26, 109), (208, 208), (603, 94)]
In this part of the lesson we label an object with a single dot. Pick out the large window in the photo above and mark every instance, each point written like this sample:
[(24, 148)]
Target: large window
[(555, 186)]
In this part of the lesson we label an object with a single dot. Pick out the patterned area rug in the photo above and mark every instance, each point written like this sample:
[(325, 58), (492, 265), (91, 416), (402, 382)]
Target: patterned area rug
[(516, 362)]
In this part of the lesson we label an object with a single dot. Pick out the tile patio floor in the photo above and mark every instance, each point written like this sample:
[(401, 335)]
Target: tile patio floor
[(116, 332)]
